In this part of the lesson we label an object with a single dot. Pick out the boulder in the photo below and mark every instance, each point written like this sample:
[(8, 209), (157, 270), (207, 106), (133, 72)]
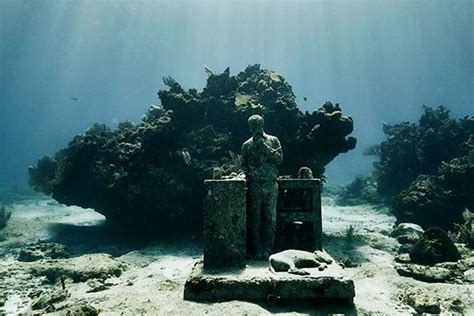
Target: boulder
[(434, 246)]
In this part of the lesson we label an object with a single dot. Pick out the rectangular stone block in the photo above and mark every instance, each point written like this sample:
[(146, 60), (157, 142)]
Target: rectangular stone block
[(299, 223), (224, 221)]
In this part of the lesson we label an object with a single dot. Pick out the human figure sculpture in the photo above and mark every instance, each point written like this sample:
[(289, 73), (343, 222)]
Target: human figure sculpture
[(261, 155)]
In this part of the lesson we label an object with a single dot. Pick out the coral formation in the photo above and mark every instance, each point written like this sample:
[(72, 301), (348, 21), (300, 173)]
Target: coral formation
[(412, 150), (360, 190), (426, 168), (148, 174), (438, 200)]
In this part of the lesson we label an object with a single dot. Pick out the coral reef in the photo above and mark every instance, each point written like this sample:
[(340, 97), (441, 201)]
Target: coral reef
[(151, 173), (361, 190), (438, 200), (412, 150), (464, 233), (426, 168)]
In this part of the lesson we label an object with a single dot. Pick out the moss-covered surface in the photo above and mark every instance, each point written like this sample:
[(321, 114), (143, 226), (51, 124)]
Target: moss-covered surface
[(151, 174)]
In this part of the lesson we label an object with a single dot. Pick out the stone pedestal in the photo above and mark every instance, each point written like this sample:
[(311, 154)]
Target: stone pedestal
[(224, 220), (257, 284)]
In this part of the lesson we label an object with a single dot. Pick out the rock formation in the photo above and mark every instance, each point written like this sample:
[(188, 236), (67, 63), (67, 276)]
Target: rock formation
[(151, 173)]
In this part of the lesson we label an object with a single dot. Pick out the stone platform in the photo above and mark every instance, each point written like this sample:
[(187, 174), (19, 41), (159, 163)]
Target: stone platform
[(257, 283)]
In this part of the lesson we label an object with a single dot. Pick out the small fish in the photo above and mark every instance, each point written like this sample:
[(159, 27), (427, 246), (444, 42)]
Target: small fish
[(208, 70), (305, 98), (186, 157), (73, 98)]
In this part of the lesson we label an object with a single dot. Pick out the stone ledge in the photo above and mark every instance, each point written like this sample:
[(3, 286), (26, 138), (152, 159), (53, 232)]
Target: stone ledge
[(258, 283)]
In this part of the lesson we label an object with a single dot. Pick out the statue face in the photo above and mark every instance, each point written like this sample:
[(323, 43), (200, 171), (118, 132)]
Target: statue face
[(256, 128)]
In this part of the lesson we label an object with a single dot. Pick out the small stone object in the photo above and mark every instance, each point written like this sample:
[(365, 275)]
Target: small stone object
[(3, 299), (79, 309), (407, 233), (434, 246), (97, 285), (322, 256), (43, 251), (423, 302), (322, 267), (305, 173), (425, 273), (402, 258), (47, 299)]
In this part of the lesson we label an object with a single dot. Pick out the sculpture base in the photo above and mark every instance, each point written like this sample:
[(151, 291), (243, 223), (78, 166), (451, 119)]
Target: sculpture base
[(257, 283)]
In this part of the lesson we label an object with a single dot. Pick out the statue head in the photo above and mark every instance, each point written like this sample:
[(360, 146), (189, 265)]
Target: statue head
[(256, 124)]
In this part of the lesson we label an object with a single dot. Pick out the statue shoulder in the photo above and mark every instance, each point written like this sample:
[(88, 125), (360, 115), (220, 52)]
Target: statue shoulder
[(247, 143), (273, 139)]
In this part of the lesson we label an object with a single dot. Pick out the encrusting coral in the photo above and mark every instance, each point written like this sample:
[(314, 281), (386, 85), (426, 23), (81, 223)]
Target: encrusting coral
[(151, 173)]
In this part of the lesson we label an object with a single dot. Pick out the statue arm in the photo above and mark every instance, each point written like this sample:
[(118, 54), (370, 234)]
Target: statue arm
[(278, 152), (244, 158), (274, 151)]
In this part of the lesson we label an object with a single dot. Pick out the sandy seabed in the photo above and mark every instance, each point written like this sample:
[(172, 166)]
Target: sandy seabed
[(154, 272)]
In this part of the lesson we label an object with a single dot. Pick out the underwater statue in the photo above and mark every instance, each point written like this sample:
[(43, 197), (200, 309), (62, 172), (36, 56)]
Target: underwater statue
[(261, 154)]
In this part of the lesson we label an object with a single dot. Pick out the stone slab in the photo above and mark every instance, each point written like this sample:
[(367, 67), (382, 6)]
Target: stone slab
[(257, 283), (299, 224), (224, 223)]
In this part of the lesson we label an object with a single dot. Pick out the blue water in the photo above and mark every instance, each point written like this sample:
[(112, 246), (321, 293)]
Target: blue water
[(381, 60)]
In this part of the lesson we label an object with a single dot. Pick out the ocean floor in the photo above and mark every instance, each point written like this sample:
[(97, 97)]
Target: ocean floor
[(115, 274)]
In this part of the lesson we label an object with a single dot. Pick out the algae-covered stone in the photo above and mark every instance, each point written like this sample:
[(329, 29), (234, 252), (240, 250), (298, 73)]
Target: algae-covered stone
[(434, 246), (257, 283), (80, 269), (423, 302), (426, 273), (43, 251), (224, 220), (48, 299)]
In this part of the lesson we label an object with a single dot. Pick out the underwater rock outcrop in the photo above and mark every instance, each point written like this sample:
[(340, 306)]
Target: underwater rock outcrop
[(438, 200), (427, 168), (151, 173), (419, 149)]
